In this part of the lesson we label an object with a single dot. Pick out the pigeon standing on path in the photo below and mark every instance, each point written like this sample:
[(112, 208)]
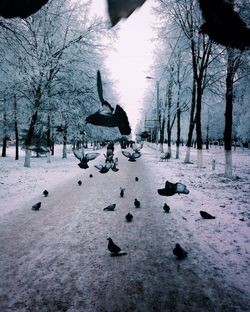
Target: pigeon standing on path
[(137, 203), (110, 207), (206, 215), (129, 217), (166, 208), (179, 252), (79, 182), (114, 249), (45, 193), (37, 206), (122, 192), (136, 179)]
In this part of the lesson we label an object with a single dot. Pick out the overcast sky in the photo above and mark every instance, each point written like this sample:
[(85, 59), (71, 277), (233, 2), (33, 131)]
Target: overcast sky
[(130, 60)]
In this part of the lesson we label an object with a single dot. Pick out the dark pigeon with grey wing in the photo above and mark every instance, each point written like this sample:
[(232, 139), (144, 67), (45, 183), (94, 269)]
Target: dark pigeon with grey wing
[(84, 158), (106, 116)]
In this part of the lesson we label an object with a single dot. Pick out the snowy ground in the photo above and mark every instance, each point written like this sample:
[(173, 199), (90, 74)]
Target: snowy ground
[(56, 259)]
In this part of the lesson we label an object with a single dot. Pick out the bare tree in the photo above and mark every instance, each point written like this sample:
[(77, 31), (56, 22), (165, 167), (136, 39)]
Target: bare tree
[(48, 48)]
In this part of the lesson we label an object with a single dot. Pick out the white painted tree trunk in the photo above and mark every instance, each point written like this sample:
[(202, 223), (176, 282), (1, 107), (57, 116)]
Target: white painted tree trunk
[(169, 151), (187, 157), (228, 164), (199, 158), (177, 153), (161, 148), (64, 151), (213, 164), (27, 158), (48, 158)]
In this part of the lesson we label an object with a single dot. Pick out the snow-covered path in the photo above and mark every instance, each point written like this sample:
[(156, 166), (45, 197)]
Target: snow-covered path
[(56, 259)]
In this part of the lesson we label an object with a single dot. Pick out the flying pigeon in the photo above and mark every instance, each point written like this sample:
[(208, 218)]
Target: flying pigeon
[(45, 193), (166, 208), (114, 249), (131, 156), (20, 8), (122, 192), (136, 179), (79, 182), (206, 215), (84, 158), (37, 206), (179, 252), (137, 149), (103, 168), (114, 168), (137, 203), (114, 165), (105, 116), (108, 158), (145, 134), (129, 217), (224, 25), (119, 9), (173, 188), (110, 207)]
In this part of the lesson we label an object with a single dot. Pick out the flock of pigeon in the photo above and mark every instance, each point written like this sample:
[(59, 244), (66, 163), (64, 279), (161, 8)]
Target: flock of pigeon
[(111, 162), (112, 247), (170, 189)]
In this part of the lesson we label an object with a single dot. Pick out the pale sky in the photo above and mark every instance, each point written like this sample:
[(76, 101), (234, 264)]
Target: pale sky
[(129, 62)]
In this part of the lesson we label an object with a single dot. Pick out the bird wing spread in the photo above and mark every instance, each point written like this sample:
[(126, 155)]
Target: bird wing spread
[(99, 166), (91, 156), (108, 165), (126, 154), (119, 8), (136, 155), (79, 153)]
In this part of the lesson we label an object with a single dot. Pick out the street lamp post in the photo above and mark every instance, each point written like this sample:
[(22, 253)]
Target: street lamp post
[(158, 116)]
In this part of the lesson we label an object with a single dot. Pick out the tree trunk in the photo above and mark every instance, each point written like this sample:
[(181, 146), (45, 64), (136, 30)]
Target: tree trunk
[(16, 130), (162, 128), (48, 140), (17, 141), (27, 158), (207, 138), (4, 146), (52, 147), (228, 164), (198, 125), (229, 113), (65, 144), (178, 135), (191, 125), (169, 135), (28, 138)]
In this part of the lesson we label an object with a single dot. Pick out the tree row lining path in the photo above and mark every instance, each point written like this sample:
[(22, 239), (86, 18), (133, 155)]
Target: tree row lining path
[(56, 259)]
